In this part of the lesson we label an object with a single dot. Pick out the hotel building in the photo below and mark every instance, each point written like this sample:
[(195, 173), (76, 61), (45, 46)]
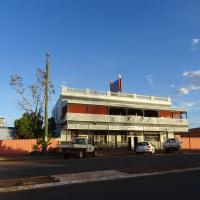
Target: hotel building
[(117, 119)]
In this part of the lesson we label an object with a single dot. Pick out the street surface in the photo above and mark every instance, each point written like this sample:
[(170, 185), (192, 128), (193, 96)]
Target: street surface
[(184, 186), (129, 164)]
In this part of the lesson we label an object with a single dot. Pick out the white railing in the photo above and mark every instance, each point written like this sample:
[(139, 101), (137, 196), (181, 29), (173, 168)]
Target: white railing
[(125, 119), (67, 90), (141, 128)]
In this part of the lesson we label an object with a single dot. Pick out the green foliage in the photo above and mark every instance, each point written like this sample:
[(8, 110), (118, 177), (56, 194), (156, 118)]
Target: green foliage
[(41, 146), (28, 126), (36, 149)]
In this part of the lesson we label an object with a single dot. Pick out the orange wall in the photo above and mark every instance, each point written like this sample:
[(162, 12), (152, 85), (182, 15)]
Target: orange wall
[(189, 142), (92, 109), (98, 110), (21, 147), (168, 114), (77, 108), (165, 114), (177, 115)]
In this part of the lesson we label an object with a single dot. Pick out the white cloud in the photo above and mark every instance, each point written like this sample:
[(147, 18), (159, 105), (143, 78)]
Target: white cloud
[(187, 104), (195, 73), (183, 91), (195, 41), (194, 82), (188, 88)]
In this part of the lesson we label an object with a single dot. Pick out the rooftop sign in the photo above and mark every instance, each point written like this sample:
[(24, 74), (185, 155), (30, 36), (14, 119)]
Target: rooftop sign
[(116, 86)]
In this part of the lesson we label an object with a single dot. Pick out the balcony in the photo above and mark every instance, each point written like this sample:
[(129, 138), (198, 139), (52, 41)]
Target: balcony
[(128, 120), (124, 123)]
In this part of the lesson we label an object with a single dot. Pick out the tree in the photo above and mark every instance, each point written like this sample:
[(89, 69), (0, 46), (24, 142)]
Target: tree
[(52, 127), (31, 100), (25, 129)]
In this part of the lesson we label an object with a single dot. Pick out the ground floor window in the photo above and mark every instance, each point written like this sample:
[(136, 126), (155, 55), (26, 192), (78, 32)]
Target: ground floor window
[(123, 142), (100, 139), (154, 138), (118, 139), (123, 138)]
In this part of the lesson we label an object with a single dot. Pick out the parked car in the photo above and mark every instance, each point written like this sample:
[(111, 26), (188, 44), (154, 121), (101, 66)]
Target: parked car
[(172, 144), (80, 147), (145, 147)]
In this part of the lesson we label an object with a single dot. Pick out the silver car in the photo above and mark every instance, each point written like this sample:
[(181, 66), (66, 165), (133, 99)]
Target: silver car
[(145, 147), (172, 144)]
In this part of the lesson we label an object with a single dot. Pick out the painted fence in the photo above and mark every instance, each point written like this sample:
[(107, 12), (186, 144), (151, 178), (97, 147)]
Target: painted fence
[(189, 141), (25, 146), (21, 147)]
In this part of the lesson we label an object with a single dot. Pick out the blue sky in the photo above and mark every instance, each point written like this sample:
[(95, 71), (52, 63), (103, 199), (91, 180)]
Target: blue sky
[(154, 45)]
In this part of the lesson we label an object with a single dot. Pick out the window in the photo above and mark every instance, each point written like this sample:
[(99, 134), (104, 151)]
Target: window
[(79, 141), (123, 138), (143, 144), (89, 141), (150, 113), (171, 140)]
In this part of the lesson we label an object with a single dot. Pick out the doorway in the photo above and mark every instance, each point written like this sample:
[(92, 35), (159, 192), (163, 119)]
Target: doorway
[(135, 140)]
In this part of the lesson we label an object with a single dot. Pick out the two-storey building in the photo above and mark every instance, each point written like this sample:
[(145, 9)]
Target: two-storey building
[(117, 119)]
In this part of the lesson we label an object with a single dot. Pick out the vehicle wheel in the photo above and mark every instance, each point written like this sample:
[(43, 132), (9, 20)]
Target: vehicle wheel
[(95, 153), (80, 154), (152, 152)]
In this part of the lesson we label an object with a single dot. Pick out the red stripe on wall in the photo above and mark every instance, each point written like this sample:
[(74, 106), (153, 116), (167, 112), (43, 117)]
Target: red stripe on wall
[(92, 109)]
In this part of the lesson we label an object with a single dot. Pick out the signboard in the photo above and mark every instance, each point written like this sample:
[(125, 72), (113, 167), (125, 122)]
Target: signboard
[(125, 128), (2, 122), (116, 86)]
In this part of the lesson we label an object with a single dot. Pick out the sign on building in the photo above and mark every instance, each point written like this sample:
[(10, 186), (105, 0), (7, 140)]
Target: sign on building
[(2, 122), (116, 86)]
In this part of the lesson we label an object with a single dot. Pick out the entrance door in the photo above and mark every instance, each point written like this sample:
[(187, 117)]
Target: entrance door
[(135, 142), (129, 143)]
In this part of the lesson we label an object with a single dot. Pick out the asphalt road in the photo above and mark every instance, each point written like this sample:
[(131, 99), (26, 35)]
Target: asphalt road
[(174, 186), (130, 164)]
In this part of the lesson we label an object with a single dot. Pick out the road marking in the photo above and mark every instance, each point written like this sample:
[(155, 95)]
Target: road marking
[(88, 177)]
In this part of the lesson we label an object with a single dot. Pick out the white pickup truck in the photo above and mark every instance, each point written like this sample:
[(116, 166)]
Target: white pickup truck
[(80, 147), (172, 144)]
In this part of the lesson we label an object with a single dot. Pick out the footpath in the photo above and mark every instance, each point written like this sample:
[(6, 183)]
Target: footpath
[(13, 185), (104, 153)]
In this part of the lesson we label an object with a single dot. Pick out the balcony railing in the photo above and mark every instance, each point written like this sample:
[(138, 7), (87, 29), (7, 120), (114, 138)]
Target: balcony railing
[(67, 90), (141, 128), (116, 119)]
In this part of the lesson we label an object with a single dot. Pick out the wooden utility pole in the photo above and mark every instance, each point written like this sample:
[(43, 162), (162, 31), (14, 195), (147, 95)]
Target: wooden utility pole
[(46, 102)]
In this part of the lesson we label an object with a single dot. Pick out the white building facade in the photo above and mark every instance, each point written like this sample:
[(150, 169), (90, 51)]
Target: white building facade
[(116, 120)]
